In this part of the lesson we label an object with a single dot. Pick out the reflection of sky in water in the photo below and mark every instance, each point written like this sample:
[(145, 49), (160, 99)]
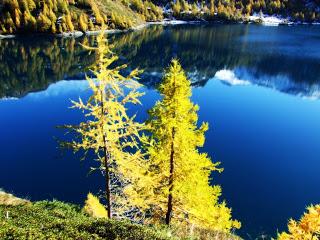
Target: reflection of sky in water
[(267, 142), (238, 76)]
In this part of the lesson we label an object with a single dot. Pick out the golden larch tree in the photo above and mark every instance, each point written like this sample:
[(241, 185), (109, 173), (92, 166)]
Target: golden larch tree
[(180, 191), (108, 131)]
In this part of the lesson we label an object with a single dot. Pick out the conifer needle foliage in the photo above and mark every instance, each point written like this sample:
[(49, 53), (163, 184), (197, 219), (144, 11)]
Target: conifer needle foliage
[(307, 228), (94, 208), (179, 190), (108, 132), (58, 16)]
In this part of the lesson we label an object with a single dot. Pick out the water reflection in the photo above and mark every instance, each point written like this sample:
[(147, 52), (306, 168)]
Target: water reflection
[(253, 53), (28, 64), (204, 50), (279, 82)]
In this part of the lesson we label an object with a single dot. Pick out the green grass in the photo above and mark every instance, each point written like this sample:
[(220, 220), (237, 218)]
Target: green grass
[(21, 219), (57, 220)]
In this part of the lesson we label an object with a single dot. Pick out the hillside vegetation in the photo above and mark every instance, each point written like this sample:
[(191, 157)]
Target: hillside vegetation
[(20, 219), (57, 220), (235, 10), (58, 16)]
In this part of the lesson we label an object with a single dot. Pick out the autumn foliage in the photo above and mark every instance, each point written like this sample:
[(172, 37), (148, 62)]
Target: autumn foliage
[(181, 191), (307, 228), (108, 132), (94, 208), (58, 16), (160, 177)]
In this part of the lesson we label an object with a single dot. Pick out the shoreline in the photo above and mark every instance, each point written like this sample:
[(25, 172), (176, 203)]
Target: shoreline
[(76, 33), (167, 22), (136, 28)]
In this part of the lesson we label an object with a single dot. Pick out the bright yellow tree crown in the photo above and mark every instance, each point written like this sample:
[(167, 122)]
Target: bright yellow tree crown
[(307, 228), (175, 140)]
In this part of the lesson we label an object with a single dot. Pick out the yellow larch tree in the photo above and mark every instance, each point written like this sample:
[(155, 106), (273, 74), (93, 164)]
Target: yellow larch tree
[(108, 131), (307, 228), (177, 189)]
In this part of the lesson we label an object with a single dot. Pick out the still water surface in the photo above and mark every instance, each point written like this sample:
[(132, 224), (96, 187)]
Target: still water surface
[(258, 87)]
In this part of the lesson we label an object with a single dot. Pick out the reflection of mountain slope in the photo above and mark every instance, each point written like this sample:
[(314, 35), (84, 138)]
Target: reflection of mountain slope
[(243, 76), (27, 65), (239, 76), (61, 88), (204, 50), (279, 82)]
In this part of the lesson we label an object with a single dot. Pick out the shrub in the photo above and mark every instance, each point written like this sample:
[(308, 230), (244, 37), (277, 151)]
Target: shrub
[(94, 208)]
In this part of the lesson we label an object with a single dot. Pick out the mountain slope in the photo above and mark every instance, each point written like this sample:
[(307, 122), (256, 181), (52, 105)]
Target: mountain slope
[(57, 16), (295, 10)]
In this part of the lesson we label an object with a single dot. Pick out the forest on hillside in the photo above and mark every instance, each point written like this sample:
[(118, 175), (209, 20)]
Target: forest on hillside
[(58, 16), (235, 10)]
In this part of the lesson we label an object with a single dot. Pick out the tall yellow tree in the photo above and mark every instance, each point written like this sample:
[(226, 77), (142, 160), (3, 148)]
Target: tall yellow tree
[(180, 191), (108, 131)]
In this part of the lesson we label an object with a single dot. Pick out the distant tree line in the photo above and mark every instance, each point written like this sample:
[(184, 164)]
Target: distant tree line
[(57, 16), (22, 63), (297, 10)]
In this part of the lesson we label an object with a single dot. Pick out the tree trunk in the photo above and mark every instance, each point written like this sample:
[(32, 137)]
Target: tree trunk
[(170, 197), (105, 152), (108, 191)]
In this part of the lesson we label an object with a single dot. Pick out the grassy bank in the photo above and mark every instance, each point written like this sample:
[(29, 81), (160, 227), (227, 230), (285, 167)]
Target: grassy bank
[(21, 219)]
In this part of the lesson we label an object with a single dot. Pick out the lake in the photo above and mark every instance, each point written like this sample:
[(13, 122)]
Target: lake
[(257, 86)]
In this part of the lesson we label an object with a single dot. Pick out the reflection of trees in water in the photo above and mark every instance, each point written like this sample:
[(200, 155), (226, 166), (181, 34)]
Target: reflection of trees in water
[(304, 70), (203, 50), (27, 65), (31, 65)]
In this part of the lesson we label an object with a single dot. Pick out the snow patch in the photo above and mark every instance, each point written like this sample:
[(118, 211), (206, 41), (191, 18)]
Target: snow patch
[(172, 22), (273, 20), (279, 82), (229, 77), (8, 99), (61, 87)]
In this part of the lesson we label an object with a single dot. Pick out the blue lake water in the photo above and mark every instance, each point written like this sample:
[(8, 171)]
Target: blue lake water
[(258, 87)]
